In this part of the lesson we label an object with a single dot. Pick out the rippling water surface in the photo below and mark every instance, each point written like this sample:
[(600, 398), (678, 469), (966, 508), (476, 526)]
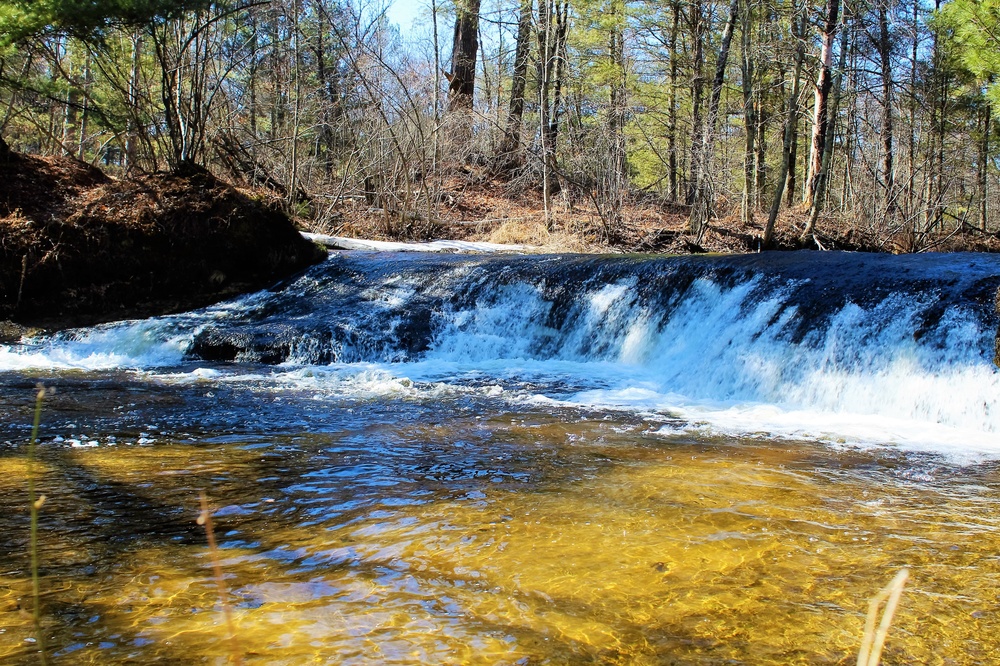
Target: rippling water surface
[(462, 506), (405, 530)]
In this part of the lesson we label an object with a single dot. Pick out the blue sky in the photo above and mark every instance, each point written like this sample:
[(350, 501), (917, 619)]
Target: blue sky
[(402, 12)]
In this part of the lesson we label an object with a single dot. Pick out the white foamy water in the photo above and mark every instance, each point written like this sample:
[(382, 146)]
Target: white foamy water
[(141, 344), (135, 344), (737, 358), (728, 368)]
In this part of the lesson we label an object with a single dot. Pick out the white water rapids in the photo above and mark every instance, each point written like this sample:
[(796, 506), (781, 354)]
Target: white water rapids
[(745, 355)]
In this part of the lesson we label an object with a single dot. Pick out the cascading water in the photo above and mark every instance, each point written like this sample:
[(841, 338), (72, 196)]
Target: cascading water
[(428, 459), (842, 347)]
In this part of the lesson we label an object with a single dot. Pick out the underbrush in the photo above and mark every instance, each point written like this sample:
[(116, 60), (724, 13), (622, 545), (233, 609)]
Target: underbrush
[(471, 204)]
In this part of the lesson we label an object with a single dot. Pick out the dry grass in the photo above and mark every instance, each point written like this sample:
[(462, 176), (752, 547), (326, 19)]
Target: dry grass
[(534, 232), (36, 505), (874, 639), (205, 520)]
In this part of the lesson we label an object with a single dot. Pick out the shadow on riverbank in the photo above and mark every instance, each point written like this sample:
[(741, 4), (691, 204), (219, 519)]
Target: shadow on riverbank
[(77, 247)]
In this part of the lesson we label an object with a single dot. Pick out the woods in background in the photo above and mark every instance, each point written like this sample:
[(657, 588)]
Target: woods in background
[(877, 114)]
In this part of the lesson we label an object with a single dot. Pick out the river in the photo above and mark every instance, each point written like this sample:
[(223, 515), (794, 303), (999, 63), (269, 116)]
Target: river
[(437, 459)]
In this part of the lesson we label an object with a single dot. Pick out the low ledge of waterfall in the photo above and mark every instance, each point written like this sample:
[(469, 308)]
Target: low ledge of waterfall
[(394, 307), (996, 355), (840, 346), (77, 248)]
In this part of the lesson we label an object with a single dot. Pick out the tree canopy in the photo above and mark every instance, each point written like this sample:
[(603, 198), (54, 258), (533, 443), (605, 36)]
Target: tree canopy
[(973, 28), (20, 19), (871, 114)]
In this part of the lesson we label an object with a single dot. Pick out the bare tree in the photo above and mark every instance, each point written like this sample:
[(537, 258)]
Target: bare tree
[(511, 143), (701, 208), (798, 26)]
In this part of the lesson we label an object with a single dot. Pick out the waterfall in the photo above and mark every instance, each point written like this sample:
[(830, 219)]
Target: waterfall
[(841, 346)]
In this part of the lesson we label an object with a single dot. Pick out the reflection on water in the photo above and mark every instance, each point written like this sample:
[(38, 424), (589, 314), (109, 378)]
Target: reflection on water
[(409, 531)]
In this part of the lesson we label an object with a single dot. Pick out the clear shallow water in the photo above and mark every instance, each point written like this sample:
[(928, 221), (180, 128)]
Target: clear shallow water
[(397, 531), (599, 496)]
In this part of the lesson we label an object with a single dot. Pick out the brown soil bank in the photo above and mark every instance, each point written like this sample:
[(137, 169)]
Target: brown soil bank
[(77, 248)]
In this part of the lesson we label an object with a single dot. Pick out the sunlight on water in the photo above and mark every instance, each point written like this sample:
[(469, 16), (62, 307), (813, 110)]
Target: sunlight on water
[(519, 539), (544, 460)]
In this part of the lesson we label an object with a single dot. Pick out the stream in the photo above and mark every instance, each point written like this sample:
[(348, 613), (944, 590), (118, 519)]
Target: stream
[(418, 458)]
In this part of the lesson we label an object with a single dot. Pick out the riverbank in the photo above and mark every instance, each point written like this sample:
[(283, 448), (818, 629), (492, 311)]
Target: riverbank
[(471, 204), (78, 247)]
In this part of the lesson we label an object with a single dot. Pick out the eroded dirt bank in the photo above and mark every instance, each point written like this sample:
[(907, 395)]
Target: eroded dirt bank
[(77, 247)]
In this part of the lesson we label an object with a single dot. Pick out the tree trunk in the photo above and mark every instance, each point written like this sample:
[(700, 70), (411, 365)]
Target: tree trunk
[(934, 88), (749, 119), (293, 169), (824, 175), (72, 97), (984, 157), (617, 175), (760, 146), (277, 110), (561, 16), (941, 106), (465, 46), (331, 110), (436, 134), (672, 104), (131, 126), (821, 117), (697, 26), (791, 181), (552, 24), (911, 153), (701, 210), (81, 146), (885, 55), (791, 119), (512, 132), (252, 74), (545, 57)]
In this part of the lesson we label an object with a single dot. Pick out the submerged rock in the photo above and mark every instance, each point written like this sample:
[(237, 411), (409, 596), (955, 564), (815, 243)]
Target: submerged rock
[(77, 247)]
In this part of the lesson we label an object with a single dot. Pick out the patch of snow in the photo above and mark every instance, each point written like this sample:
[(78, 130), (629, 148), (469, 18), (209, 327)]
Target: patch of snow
[(341, 243)]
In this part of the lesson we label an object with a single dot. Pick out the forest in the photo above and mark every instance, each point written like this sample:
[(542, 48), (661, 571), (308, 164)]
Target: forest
[(590, 451), (841, 123)]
